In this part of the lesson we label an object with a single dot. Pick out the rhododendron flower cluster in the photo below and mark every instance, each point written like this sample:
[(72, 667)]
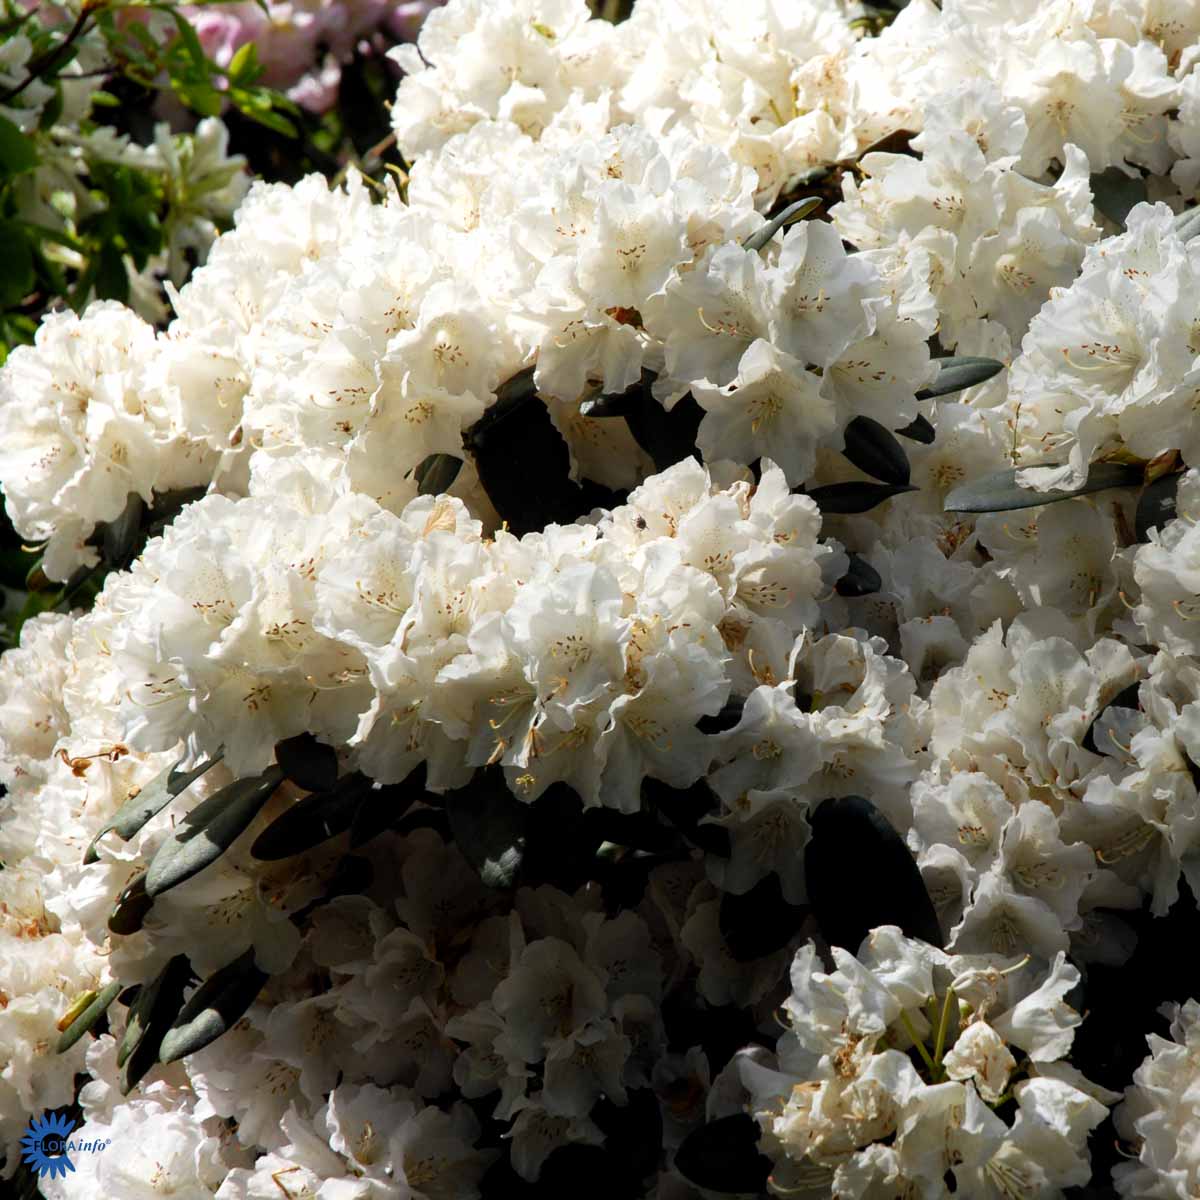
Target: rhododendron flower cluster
[(657, 656)]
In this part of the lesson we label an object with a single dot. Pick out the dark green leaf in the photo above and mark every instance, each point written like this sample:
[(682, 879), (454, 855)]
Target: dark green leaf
[(959, 372), (617, 404), (209, 830), (90, 1015), (875, 451), (382, 807), (861, 579), (919, 430), (794, 212), (686, 808), (1000, 492), (111, 279), (1187, 224), (856, 497), (118, 538), (131, 907), (436, 473), (727, 718), (1156, 506), (308, 763), (860, 875), (723, 1156), (16, 264), (148, 802), (668, 437), (312, 820), (760, 921), (489, 825), (1115, 193), (214, 1007), (524, 465), (156, 1006), (17, 151)]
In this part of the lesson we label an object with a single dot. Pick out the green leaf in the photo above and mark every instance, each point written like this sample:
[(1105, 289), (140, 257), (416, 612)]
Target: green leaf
[(244, 67), (1115, 193), (790, 215), (489, 825), (209, 830), (312, 820), (919, 430), (16, 265), (117, 539), (158, 1004), (17, 150), (875, 451), (308, 763), (142, 805), (1000, 492), (97, 1006), (959, 372), (856, 497), (131, 907), (1156, 506), (111, 279), (214, 1007), (1187, 224), (153, 1005), (860, 579), (436, 473), (615, 404)]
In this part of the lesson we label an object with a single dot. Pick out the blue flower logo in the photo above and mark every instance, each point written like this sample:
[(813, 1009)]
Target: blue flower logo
[(43, 1145)]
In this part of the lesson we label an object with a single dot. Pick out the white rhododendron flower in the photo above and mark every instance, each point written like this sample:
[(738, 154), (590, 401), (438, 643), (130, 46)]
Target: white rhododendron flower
[(549, 634)]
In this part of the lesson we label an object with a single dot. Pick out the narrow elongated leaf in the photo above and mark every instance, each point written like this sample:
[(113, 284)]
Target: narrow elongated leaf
[(436, 473), (209, 830), (860, 580), (1000, 492), (131, 907), (213, 1008), (856, 497), (489, 825), (312, 820), (17, 152), (148, 803), (158, 1003), (794, 212), (859, 875), (875, 451), (1187, 224), (308, 763), (1156, 506), (615, 405), (1114, 193), (382, 807), (118, 539), (96, 1007), (959, 372), (723, 1156), (919, 430)]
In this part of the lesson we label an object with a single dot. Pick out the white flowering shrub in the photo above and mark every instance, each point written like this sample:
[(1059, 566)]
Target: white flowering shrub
[(654, 655)]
